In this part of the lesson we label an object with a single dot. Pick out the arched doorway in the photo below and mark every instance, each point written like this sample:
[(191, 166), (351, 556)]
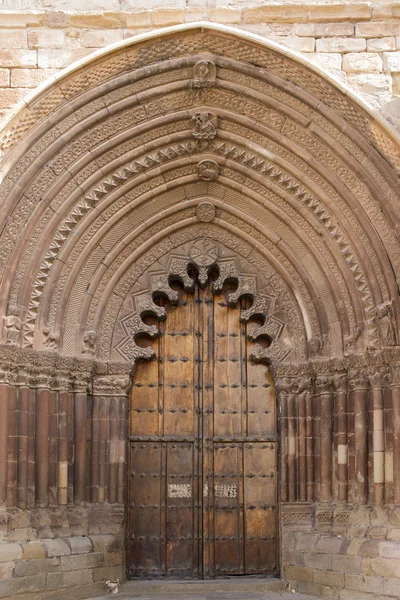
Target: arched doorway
[(203, 440), (105, 176)]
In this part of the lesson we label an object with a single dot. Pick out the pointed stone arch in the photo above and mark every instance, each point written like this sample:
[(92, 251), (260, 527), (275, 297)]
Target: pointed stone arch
[(104, 178)]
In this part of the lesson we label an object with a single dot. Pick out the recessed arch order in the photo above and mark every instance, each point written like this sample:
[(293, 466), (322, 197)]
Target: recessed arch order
[(108, 163)]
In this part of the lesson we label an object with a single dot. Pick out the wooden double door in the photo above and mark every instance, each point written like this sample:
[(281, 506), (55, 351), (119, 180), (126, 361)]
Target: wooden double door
[(203, 450)]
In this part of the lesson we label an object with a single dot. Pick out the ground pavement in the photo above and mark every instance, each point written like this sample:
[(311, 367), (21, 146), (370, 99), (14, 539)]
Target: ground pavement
[(203, 590)]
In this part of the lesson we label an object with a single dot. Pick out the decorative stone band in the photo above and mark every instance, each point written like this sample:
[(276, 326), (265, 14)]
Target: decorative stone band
[(203, 256)]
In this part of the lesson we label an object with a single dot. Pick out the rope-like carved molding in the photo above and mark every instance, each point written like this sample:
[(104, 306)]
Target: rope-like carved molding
[(203, 257), (239, 154)]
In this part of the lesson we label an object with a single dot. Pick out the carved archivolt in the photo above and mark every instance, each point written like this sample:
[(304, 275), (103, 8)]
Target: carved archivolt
[(203, 257), (124, 159)]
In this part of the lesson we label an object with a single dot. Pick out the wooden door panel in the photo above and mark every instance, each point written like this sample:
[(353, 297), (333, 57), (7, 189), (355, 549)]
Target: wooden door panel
[(228, 413), (260, 510), (145, 397), (146, 499), (177, 354), (181, 531), (228, 521), (203, 491)]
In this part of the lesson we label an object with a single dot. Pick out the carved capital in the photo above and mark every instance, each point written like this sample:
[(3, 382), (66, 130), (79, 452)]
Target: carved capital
[(111, 385), (395, 374), (358, 379), (293, 386), (379, 377), (324, 384), (340, 382)]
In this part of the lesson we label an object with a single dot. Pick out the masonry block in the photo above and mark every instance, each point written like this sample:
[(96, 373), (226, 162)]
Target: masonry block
[(341, 44), (5, 588), (298, 573), (10, 552), (329, 578), (56, 547), (46, 38), (13, 38), (385, 44), (81, 561), (386, 567), (362, 62), (363, 583), (329, 545), (60, 58), (80, 544), (32, 583), (346, 564), (18, 58), (98, 38)]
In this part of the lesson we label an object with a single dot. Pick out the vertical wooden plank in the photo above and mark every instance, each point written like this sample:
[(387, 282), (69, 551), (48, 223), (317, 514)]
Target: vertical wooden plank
[(144, 399), (227, 513), (178, 369), (260, 507), (228, 383), (261, 417), (206, 385), (146, 511), (181, 510)]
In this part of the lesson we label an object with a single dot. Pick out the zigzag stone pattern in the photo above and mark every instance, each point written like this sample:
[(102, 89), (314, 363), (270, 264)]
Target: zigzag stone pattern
[(203, 256), (109, 171)]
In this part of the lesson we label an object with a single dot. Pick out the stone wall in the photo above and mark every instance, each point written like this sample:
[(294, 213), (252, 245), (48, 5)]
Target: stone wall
[(358, 42), (68, 567), (346, 552)]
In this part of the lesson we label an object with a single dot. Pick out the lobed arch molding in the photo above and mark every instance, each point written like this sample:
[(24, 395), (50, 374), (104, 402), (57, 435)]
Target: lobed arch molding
[(202, 132)]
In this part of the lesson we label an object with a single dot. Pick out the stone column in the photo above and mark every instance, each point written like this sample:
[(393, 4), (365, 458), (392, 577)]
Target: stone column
[(3, 441), (282, 385), (396, 431), (358, 466), (324, 391), (23, 393), (109, 438), (42, 439), (62, 385), (341, 441), (80, 428), (378, 377)]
